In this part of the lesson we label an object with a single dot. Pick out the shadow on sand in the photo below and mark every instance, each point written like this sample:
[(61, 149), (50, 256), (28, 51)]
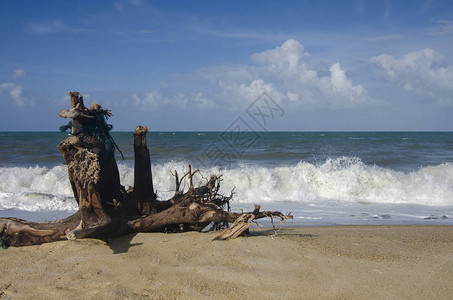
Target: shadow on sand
[(122, 244)]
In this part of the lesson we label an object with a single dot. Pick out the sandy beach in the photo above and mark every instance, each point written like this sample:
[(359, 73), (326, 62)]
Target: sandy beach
[(344, 262)]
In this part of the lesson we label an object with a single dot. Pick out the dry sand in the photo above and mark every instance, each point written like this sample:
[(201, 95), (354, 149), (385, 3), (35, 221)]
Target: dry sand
[(347, 262)]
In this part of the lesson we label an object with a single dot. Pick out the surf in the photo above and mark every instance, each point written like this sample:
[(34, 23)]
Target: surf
[(341, 180)]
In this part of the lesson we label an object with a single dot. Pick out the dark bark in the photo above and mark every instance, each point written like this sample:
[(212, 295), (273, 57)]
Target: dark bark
[(143, 179)]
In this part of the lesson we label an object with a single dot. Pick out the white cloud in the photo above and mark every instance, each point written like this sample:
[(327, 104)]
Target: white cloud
[(18, 73), (424, 72), (287, 58), (339, 86), (256, 88), (286, 73), (15, 92)]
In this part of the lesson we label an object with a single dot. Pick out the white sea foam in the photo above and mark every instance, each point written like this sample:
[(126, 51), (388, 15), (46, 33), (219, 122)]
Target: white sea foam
[(35, 189), (342, 180)]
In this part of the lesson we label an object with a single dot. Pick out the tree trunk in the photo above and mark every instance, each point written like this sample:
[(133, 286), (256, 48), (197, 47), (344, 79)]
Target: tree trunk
[(143, 178), (17, 232)]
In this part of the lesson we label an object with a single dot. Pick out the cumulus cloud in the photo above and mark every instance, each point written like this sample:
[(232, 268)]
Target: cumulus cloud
[(256, 88), (286, 73), (287, 58), (16, 93), (423, 72), (338, 85)]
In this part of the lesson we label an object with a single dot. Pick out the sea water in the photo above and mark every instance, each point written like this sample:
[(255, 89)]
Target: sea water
[(321, 178)]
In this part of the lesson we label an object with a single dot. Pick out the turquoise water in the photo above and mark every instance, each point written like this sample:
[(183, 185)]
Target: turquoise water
[(321, 177)]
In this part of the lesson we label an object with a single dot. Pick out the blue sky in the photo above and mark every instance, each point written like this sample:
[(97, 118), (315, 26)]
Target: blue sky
[(198, 65)]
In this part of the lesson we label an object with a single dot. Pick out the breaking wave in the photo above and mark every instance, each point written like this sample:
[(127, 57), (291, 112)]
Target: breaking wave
[(345, 179)]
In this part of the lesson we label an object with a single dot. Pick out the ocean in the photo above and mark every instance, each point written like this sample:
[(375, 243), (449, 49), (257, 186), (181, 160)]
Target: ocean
[(321, 178)]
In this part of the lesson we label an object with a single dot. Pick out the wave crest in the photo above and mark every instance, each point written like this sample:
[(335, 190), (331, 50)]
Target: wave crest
[(344, 179)]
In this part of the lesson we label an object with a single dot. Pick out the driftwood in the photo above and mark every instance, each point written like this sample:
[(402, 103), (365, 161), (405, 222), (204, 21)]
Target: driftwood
[(106, 209)]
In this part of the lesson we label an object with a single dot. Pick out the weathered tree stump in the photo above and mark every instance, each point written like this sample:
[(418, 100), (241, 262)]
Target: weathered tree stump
[(143, 178), (106, 209)]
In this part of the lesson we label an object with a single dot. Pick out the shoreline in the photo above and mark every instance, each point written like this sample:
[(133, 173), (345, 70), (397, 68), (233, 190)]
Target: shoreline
[(320, 262), (49, 216), (304, 215)]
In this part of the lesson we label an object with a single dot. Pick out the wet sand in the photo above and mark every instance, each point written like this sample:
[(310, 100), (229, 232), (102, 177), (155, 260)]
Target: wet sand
[(344, 262)]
